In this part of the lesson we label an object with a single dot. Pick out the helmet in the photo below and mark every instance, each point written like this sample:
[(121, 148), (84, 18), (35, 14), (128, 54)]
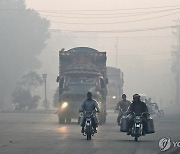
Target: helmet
[(136, 96)]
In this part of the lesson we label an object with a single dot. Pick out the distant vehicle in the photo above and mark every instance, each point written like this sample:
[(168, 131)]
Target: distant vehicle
[(152, 106), (115, 86), (143, 97), (154, 109), (81, 69)]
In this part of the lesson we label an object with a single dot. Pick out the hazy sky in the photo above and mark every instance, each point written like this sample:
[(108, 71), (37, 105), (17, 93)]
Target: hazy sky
[(144, 57)]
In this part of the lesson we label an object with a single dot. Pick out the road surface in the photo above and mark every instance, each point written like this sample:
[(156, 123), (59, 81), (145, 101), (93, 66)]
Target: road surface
[(28, 133)]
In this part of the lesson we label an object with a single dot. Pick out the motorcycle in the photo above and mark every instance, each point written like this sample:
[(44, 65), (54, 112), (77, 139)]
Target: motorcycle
[(88, 129), (154, 109), (137, 128)]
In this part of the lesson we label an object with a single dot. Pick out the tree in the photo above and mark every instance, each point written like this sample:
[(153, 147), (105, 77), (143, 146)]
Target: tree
[(22, 95), (31, 80), (23, 33), (23, 99)]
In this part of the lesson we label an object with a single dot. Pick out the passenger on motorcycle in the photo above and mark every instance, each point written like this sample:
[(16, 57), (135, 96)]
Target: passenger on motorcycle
[(122, 106), (138, 108), (90, 105)]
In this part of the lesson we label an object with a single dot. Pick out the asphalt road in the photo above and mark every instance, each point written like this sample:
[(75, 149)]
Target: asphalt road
[(27, 133)]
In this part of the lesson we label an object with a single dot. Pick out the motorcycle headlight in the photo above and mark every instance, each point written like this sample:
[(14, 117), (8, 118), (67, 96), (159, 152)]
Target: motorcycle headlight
[(64, 105)]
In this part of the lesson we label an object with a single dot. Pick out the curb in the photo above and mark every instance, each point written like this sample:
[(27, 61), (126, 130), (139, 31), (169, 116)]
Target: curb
[(26, 111)]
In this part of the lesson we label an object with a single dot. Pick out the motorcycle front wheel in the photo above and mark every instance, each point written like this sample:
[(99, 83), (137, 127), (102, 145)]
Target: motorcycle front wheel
[(136, 138), (88, 136), (88, 129), (136, 135)]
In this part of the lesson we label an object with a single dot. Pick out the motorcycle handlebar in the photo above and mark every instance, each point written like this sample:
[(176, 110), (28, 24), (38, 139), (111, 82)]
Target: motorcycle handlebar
[(92, 112), (89, 111), (141, 113)]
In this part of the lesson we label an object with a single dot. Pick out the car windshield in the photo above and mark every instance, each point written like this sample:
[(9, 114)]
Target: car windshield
[(81, 80)]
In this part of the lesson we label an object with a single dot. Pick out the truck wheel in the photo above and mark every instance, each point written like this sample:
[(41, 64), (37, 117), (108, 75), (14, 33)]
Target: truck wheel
[(68, 120), (100, 119), (104, 119), (61, 120)]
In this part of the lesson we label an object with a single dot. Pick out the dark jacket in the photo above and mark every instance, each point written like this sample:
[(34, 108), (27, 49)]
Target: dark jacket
[(138, 107)]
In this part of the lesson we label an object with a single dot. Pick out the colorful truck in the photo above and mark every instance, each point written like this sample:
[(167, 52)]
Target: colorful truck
[(114, 87), (81, 69)]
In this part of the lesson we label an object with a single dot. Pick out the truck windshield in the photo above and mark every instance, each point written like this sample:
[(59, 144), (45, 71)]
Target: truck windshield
[(81, 80)]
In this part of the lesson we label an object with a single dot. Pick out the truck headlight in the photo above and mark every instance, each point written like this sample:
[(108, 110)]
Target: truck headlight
[(64, 105), (114, 97)]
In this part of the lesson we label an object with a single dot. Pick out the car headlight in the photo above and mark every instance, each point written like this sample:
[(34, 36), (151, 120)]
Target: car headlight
[(64, 105)]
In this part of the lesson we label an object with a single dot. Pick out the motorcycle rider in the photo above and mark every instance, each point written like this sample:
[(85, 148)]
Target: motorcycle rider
[(138, 107), (122, 106), (90, 105)]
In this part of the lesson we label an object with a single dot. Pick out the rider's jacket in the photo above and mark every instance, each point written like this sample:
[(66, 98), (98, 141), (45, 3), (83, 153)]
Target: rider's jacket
[(123, 105), (90, 105), (138, 107)]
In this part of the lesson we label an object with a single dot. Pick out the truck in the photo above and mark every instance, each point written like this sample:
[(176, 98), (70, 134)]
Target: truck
[(115, 86), (81, 70)]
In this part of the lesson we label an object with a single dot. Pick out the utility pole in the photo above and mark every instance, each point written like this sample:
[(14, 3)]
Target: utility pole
[(45, 91), (176, 65), (117, 51)]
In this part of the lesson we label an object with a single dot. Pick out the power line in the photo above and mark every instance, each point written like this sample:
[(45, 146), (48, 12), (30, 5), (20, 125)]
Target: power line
[(121, 22), (146, 60), (108, 14), (141, 54), (147, 36), (131, 15), (117, 22), (156, 7), (113, 37), (76, 11), (119, 31)]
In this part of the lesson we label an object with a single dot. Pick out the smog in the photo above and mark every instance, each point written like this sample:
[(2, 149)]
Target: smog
[(89, 76)]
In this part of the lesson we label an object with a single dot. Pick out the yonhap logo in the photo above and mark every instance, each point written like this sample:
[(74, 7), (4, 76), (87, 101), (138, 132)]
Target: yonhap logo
[(164, 143)]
